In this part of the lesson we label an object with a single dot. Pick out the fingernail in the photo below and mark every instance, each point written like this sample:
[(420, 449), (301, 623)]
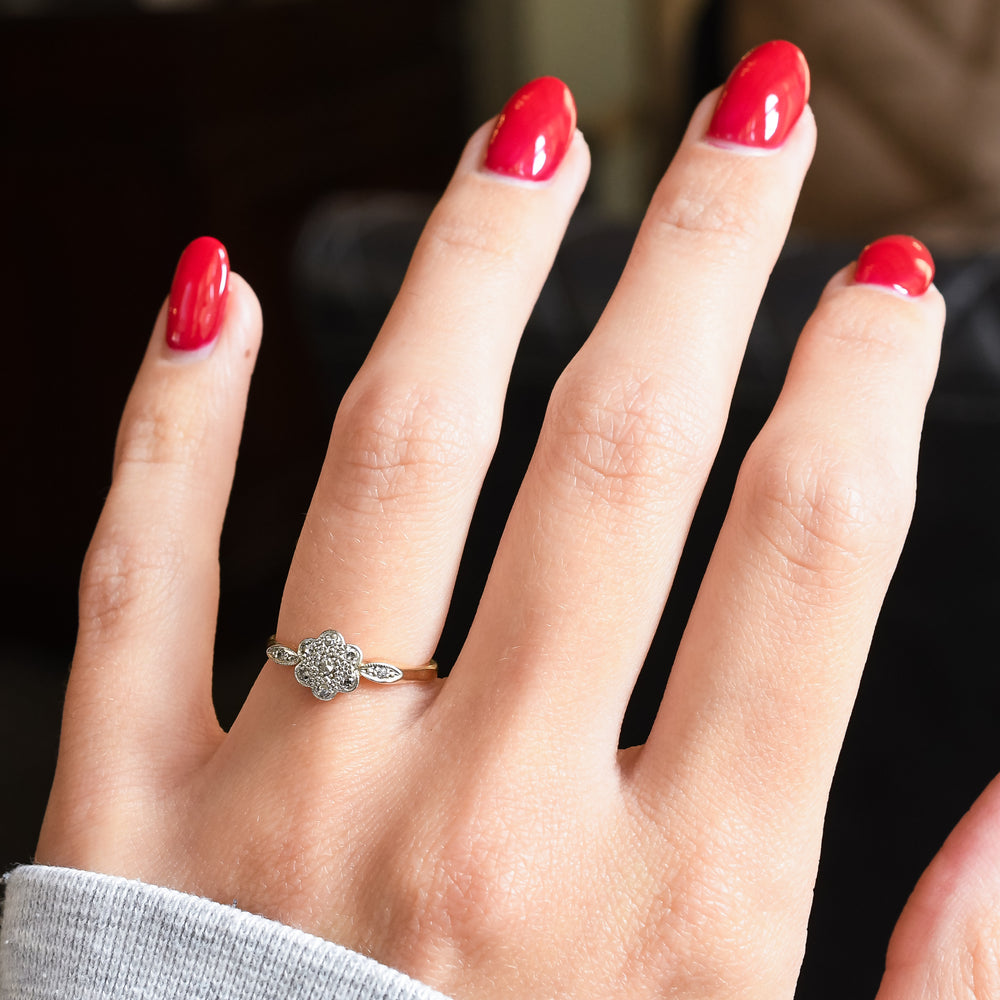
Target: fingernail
[(901, 263), (533, 132), (198, 295), (763, 97)]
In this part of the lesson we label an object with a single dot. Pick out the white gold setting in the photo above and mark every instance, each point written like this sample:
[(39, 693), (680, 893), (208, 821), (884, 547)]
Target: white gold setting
[(329, 665)]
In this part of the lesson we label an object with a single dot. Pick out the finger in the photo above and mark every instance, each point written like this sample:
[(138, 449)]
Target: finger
[(149, 588), (414, 434), (633, 425), (946, 945), (764, 681)]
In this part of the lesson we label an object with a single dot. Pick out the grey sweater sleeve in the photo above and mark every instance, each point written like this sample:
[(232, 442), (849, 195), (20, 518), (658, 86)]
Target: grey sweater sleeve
[(74, 934)]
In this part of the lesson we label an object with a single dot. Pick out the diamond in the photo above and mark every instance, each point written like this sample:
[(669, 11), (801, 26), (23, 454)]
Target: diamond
[(283, 655), (327, 665), (382, 673)]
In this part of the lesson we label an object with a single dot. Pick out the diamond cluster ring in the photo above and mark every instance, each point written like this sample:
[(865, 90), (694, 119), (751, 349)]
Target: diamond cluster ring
[(329, 665)]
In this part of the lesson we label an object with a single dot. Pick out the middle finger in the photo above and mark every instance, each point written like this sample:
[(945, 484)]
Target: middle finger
[(583, 569)]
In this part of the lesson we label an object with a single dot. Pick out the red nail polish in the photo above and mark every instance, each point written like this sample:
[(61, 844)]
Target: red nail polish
[(197, 295), (901, 263), (763, 97), (534, 131)]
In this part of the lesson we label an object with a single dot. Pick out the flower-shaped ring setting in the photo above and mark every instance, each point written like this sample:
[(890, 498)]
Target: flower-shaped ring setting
[(329, 665)]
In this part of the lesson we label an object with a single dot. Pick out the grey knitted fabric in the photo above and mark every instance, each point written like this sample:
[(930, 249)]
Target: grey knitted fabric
[(72, 934)]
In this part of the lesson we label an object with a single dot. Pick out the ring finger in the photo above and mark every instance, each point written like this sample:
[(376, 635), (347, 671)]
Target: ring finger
[(414, 434)]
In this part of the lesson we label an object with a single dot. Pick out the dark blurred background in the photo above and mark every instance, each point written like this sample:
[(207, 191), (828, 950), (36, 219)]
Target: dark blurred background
[(312, 138)]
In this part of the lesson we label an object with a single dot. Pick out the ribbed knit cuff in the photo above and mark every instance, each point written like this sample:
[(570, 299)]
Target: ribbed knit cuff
[(68, 933)]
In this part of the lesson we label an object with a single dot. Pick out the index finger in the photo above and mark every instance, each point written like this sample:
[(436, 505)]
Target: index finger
[(149, 589)]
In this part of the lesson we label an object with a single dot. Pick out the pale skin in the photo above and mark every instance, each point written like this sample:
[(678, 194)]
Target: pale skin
[(483, 833)]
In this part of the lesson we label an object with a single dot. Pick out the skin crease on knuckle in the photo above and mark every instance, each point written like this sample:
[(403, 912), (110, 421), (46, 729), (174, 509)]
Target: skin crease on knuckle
[(155, 438), (622, 441), (481, 243), (126, 580), (829, 517), (723, 220), (394, 442), (168, 426)]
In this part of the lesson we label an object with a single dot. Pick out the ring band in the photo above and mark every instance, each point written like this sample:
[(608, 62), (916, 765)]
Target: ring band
[(329, 665)]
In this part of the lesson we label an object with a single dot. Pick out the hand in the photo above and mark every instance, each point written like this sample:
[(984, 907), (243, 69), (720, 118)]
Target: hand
[(483, 833)]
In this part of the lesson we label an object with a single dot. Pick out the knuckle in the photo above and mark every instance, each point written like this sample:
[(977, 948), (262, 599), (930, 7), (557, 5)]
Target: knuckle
[(122, 578), (394, 441), (155, 433), (824, 514), (464, 235), (722, 214), (621, 442), (877, 332)]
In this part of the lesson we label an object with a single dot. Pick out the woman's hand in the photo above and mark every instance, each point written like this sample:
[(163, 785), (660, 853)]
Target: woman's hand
[(483, 833)]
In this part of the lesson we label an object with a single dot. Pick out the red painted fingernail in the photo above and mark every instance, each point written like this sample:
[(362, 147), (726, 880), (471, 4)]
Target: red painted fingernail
[(534, 131), (197, 295), (763, 97), (901, 263)]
